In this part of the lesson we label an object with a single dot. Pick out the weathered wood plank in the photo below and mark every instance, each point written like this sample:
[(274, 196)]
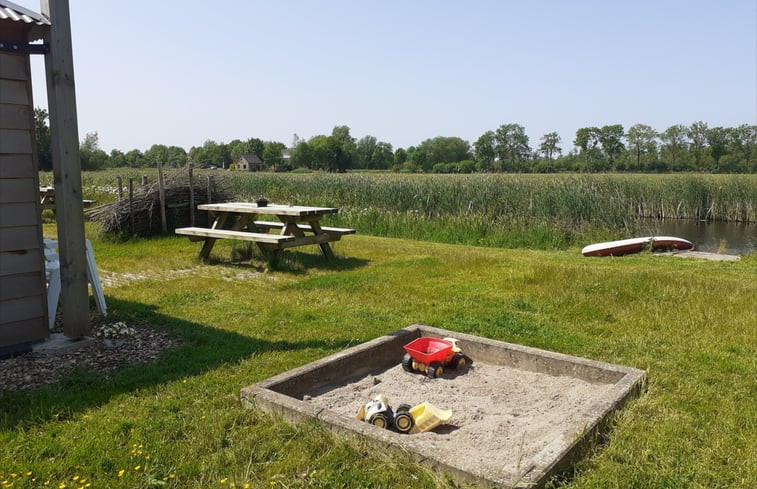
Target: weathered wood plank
[(23, 308), (18, 214), (14, 141), (304, 227), (229, 234), (270, 209), (15, 117), (18, 190), (20, 285), (19, 238), (17, 166), (22, 261), (14, 66), (14, 92), (23, 331)]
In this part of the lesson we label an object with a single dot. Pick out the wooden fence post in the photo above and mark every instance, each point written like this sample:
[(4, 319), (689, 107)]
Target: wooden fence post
[(144, 180), (210, 197), (131, 204), (191, 196), (120, 184), (162, 194)]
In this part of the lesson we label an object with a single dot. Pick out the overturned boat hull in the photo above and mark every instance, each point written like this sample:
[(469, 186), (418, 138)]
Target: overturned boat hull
[(635, 245)]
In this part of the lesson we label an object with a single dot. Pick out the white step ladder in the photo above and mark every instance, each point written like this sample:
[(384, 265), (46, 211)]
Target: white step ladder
[(52, 271)]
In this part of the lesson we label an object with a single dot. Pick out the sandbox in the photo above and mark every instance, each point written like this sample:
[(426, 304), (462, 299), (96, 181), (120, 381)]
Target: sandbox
[(520, 414)]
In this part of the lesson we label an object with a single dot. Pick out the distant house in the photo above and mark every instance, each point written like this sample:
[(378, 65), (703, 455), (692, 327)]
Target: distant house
[(249, 162)]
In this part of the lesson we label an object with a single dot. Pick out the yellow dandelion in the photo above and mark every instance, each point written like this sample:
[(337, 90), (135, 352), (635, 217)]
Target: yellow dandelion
[(121, 473), (75, 478), (247, 486), (47, 483), (137, 467), (82, 481), (14, 475), (62, 485), (223, 481), (88, 484), (29, 473), (171, 476)]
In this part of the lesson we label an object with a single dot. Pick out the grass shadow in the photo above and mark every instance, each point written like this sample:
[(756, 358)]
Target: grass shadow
[(204, 349)]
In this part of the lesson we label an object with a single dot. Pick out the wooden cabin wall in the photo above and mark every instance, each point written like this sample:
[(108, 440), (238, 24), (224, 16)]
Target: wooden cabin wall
[(23, 294)]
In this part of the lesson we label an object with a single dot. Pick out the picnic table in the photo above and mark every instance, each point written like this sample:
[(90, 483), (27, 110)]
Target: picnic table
[(295, 226), (47, 198)]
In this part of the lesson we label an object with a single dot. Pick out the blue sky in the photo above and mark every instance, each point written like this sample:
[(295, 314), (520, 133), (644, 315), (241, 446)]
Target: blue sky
[(179, 73)]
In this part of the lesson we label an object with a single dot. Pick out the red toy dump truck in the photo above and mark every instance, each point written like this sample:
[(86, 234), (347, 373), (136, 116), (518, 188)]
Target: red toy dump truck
[(432, 355)]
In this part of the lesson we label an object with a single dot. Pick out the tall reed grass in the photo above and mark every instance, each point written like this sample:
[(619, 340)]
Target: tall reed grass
[(540, 211), (536, 211)]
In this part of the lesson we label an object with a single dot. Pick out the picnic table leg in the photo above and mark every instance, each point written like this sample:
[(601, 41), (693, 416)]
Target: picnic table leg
[(325, 247), (210, 242)]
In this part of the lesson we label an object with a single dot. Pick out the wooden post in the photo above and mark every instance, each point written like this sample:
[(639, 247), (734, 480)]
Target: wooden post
[(120, 184), (144, 180), (131, 204), (191, 196), (61, 101), (210, 197), (162, 195)]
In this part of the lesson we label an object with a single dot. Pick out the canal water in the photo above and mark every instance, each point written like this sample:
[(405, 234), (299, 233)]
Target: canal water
[(715, 237)]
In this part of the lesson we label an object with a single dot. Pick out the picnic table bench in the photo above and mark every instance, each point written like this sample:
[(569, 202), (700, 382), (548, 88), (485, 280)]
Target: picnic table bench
[(296, 226)]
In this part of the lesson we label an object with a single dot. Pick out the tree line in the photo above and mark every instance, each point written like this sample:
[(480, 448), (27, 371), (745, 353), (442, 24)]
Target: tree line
[(610, 148)]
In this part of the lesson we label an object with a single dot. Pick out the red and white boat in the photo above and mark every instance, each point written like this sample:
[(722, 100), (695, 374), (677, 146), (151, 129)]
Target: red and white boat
[(635, 245)]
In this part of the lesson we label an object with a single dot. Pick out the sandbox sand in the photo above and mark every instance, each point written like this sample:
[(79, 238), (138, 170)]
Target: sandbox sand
[(501, 416)]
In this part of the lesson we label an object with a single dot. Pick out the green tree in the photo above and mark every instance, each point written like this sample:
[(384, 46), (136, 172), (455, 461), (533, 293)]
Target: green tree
[(511, 147), (611, 139), (484, 151), (302, 155), (674, 141), (117, 159), (345, 155), (439, 150), (272, 154), (549, 145), (641, 138), (587, 141), (719, 139), (42, 139), (744, 144), (373, 154), (90, 154), (400, 157), (697, 134)]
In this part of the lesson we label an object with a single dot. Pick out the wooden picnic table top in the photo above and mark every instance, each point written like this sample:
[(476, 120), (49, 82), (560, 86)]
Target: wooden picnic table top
[(271, 209)]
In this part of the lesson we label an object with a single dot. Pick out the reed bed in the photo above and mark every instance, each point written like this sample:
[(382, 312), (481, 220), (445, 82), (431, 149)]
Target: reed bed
[(512, 210), (539, 211)]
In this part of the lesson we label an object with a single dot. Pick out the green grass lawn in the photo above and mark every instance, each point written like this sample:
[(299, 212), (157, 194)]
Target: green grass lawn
[(690, 324)]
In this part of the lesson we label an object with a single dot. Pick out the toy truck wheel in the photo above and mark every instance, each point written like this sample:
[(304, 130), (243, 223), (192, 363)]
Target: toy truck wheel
[(457, 361), (407, 362), (468, 360), (403, 420), (380, 420), (434, 370)]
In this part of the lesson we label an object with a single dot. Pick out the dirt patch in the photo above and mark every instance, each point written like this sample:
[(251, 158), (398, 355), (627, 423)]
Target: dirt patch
[(502, 417)]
